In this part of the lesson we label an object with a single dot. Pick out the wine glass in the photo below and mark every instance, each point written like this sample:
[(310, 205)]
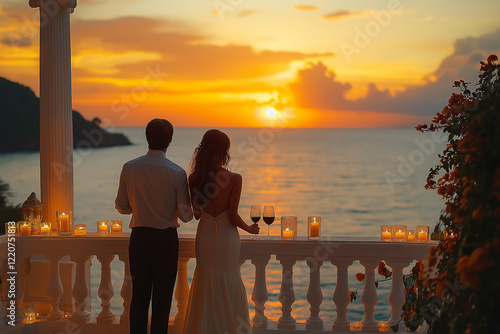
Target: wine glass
[(268, 217), (255, 214)]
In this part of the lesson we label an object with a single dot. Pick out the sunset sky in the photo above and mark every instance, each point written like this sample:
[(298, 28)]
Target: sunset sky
[(224, 63)]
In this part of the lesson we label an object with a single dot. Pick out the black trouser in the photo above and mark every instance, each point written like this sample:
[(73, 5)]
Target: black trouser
[(153, 255)]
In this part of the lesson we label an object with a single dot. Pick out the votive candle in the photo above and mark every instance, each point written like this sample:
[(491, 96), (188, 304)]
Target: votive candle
[(80, 229), (411, 235), (116, 226), (400, 233), (103, 226), (287, 233), (386, 232), (25, 228), (314, 224), (46, 228), (422, 233), (64, 222)]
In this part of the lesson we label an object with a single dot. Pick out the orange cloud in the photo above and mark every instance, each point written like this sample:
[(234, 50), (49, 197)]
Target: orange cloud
[(248, 12), (316, 86), (342, 14), (305, 8)]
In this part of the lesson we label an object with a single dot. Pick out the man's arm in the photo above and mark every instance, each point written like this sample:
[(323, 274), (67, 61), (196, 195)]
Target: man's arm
[(121, 202), (184, 210)]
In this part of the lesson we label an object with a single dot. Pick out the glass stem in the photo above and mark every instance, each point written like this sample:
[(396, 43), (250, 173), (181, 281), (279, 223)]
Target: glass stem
[(268, 236)]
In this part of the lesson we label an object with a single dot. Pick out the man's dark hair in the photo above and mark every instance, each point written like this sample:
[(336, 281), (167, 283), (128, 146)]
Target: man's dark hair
[(159, 134)]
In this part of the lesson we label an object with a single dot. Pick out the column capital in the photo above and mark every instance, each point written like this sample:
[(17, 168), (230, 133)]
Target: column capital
[(61, 3)]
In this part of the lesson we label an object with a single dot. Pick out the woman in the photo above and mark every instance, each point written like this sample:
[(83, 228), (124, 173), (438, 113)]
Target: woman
[(217, 301)]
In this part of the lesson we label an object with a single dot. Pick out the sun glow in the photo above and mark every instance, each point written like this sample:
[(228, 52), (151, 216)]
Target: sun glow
[(271, 112)]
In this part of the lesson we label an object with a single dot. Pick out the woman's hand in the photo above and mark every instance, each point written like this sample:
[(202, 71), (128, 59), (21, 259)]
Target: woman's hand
[(253, 229)]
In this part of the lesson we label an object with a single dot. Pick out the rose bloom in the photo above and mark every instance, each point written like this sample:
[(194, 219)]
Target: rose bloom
[(360, 277)]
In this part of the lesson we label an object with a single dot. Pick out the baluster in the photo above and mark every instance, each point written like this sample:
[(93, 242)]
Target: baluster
[(287, 295), (396, 295), (369, 296), (126, 290), (23, 269), (80, 289), (181, 291), (106, 291), (259, 293), (314, 295), (54, 289), (341, 296)]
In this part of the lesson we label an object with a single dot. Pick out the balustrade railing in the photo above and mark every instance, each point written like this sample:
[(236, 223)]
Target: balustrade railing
[(341, 252)]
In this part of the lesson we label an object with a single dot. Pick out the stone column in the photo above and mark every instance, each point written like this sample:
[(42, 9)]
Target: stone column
[(56, 119)]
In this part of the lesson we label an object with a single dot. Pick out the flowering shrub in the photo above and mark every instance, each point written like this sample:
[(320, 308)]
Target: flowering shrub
[(460, 292)]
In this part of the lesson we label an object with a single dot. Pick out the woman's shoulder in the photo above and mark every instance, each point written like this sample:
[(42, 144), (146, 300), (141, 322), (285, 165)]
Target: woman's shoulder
[(234, 176)]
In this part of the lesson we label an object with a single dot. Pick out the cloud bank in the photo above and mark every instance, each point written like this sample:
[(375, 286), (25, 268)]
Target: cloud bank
[(316, 86)]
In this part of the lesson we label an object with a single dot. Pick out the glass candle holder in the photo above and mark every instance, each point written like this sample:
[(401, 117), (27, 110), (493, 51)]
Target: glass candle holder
[(103, 226), (64, 222), (45, 228), (289, 227), (422, 233), (399, 233), (313, 227), (386, 232), (116, 226), (80, 229), (29, 314), (23, 228), (411, 235)]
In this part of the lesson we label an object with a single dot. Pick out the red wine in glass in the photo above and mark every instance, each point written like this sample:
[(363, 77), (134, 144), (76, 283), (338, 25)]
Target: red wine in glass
[(255, 213), (268, 217)]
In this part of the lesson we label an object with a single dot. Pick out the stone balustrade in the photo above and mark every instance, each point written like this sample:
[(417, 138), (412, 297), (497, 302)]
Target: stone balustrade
[(339, 251)]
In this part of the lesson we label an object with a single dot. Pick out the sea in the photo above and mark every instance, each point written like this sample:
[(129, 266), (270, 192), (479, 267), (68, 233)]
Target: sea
[(355, 179)]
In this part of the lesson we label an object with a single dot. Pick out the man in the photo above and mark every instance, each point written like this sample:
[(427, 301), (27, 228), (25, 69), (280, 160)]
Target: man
[(155, 191)]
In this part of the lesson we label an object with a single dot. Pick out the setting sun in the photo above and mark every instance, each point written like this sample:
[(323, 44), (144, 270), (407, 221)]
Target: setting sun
[(271, 112)]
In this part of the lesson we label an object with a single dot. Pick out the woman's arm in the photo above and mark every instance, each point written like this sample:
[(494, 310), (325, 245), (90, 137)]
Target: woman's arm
[(234, 202), (196, 205)]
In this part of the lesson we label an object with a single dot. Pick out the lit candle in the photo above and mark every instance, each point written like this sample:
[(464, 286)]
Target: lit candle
[(422, 235), (287, 233), (314, 231), (63, 222), (45, 229), (103, 227), (386, 235), (80, 229), (25, 229), (411, 237), (116, 228), (400, 234)]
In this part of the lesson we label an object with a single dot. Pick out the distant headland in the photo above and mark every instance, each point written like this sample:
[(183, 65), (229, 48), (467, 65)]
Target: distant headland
[(20, 122)]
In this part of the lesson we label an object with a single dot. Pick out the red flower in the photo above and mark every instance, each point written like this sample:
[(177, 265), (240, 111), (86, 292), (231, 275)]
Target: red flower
[(492, 58), (360, 277)]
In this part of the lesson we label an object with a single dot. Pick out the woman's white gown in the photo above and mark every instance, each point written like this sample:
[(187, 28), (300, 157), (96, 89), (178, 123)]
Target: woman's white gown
[(217, 300)]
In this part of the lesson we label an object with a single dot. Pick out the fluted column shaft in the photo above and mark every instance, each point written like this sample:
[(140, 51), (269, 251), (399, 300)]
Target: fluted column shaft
[(56, 119)]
